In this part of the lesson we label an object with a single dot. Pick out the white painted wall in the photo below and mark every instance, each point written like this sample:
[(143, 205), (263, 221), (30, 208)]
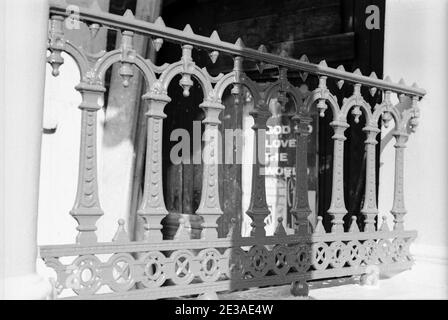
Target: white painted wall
[(416, 35)]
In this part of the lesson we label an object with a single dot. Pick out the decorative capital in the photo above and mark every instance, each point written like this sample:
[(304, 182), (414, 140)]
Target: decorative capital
[(371, 132), (339, 127), (90, 94), (212, 110), (401, 138)]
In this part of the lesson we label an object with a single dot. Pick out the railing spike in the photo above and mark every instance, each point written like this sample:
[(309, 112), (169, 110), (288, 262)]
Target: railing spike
[(159, 22), (95, 6), (414, 85), (284, 53), (358, 72), (304, 58), (353, 225), (215, 36), (239, 42), (188, 29), (388, 79), (402, 82), (384, 225), (128, 14), (63, 3), (319, 226), (323, 63), (262, 48), (373, 75)]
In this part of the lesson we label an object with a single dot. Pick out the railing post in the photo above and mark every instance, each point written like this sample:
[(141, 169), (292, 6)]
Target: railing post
[(258, 208), (398, 209), (152, 208), (337, 207), (370, 210), (301, 208), (87, 210), (209, 207)]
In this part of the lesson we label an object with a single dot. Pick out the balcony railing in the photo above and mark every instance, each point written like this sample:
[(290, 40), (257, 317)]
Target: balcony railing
[(157, 268)]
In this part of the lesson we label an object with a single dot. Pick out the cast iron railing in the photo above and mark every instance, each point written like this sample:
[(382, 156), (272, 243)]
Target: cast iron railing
[(157, 268)]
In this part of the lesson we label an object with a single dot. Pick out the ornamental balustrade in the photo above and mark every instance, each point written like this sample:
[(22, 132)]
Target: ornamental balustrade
[(156, 268)]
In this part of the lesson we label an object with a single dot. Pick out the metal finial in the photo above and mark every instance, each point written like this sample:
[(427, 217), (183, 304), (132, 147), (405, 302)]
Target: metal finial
[(213, 56), (319, 226), (280, 230), (353, 225), (121, 235), (384, 225)]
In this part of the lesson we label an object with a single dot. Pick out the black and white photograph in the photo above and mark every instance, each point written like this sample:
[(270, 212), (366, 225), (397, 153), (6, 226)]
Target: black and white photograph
[(246, 151)]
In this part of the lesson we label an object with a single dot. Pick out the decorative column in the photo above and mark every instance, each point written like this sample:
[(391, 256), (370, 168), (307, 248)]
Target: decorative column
[(370, 210), (209, 207), (301, 208), (398, 209), (152, 208), (87, 210), (258, 208), (337, 207), (22, 66)]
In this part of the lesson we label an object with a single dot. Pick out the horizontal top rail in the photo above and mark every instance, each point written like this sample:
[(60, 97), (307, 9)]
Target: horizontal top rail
[(187, 36)]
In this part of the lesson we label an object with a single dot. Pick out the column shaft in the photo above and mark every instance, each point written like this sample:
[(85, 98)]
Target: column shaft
[(301, 208), (152, 208), (337, 207), (209, 207), (398, 208), (370, 210), (23, 53)]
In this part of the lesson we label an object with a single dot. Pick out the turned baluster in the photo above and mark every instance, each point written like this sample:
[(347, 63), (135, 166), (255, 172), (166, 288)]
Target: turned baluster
[(398, 208), (337, 207), (87, 210), (152, 208), (209, 207), (370, 210), (258, 208), (301, 208)]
